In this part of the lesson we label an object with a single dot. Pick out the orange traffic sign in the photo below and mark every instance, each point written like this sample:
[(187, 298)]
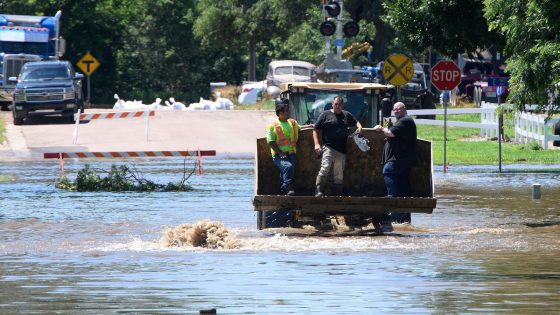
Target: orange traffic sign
[(398, 69), (88, 64)]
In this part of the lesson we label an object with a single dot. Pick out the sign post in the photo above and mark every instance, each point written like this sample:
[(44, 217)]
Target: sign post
[(500, 126), (446, 76), (88, 64)]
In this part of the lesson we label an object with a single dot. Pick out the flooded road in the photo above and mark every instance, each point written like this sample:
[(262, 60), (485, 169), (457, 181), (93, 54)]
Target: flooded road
[(488, 248)]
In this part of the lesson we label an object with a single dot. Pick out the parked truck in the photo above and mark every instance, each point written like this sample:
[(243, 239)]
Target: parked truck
[(46, 88), (25, 38), (363, 203)]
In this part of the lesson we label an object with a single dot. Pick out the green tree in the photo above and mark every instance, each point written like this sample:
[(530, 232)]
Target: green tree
[(159, 53), (250, 27), (23, 7), (373, 27), (97, 19), (449, 27), (533, 45)]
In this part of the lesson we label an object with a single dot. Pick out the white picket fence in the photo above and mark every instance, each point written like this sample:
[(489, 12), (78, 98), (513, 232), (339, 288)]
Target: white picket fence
[(528, 126), (488, 124)]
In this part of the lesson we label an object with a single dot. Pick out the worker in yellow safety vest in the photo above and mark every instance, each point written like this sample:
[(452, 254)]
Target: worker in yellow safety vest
[(282, 137)]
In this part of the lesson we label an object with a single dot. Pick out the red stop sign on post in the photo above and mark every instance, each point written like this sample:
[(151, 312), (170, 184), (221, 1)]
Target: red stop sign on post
[(446, 75)]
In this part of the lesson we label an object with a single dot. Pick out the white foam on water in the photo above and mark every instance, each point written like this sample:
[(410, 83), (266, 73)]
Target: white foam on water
[(207, 235)]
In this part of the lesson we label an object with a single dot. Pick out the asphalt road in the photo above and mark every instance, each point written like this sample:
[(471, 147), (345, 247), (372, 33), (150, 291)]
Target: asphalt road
[(227, 132)]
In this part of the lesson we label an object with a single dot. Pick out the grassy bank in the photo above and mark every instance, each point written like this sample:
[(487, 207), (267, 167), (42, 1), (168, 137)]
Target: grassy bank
[(2, 130), (465, 145)]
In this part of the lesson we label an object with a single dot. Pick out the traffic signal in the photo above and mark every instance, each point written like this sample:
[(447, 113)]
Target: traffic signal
[(327, 28), (351, 29), (333, 8)]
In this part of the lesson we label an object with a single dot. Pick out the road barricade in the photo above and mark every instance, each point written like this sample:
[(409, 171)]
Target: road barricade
[(93, 116), (199, 154)]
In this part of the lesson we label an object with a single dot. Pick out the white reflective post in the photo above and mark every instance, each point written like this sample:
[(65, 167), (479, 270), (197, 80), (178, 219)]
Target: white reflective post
[(147, 125), (77, 125)]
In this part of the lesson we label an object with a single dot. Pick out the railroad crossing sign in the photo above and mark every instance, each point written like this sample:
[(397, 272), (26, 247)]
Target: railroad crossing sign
[(88, 64), (398, 69), (446, 75)]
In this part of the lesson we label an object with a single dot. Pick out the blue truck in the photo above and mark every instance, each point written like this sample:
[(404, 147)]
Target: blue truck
[(25, 38)]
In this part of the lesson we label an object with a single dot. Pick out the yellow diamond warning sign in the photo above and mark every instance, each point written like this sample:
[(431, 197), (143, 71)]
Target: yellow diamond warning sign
[(88, 64), (398, 69)]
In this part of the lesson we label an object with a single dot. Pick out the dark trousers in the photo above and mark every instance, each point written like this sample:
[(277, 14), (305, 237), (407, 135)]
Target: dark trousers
[(286, 167), (398, 185), (396, 179)]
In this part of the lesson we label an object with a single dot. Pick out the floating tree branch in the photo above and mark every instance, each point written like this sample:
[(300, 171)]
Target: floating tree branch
[(122, 178)]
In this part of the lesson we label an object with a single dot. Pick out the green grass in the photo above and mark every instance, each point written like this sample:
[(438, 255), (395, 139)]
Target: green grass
[(263, 104), (2, 130), (466, 147)]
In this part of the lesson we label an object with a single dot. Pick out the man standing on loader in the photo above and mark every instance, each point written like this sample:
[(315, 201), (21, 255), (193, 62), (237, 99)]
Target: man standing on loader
[(282, 137), (334, 124), (399, 156)]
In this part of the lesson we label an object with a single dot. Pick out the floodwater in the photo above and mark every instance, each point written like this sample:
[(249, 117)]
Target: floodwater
[(488, 248)]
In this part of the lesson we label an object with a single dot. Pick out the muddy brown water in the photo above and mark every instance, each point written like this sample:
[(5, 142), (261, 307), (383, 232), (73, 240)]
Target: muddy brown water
[(488, 248)]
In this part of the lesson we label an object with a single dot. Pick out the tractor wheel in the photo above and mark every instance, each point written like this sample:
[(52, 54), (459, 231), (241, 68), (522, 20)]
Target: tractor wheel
[(276, 219), (18, 121), (398, 217)]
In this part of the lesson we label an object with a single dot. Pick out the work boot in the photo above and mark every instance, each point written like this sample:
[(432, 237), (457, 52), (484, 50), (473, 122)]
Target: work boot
[(384, 224), (337, 189), (290, 190), (320, 186)]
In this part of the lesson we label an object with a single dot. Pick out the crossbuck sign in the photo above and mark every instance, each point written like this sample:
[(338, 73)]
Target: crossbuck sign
[(398, 69)]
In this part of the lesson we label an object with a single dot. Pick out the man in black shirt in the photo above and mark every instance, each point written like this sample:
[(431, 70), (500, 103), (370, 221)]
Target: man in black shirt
[(399, 154), (334, 124)]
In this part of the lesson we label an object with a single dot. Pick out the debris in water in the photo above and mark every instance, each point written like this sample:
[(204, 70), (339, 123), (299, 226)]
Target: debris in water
[(205, 234)]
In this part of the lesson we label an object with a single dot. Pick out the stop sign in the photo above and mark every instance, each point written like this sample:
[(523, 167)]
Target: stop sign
[(446, 75)]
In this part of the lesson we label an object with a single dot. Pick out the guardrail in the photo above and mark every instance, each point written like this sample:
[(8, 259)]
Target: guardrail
[(111, 115)]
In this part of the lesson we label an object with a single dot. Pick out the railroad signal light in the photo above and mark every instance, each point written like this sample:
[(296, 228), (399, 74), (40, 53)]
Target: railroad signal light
[(351, 29), (333, 8), (327, 28)]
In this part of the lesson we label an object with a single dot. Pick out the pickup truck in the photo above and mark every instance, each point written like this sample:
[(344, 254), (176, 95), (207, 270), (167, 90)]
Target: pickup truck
[(47, 88)]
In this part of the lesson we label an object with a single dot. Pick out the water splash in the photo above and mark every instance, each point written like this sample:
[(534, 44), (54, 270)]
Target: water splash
[(206, 234)]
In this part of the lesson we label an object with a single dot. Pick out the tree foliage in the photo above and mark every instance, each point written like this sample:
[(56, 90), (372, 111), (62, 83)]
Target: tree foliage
[(163, 48), (449, 27), (120, 178), (532, 37)]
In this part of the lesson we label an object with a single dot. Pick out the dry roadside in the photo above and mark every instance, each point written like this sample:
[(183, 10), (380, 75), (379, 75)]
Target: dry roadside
[(227, 132)]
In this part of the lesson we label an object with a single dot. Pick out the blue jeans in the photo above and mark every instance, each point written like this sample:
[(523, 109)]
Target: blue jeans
[(398, 185), (286, 167), (396, 180)]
